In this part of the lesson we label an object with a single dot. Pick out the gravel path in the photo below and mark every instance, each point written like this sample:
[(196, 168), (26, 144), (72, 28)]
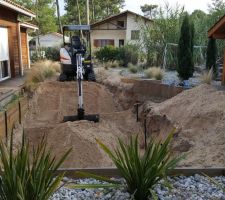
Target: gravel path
[(183, 188)]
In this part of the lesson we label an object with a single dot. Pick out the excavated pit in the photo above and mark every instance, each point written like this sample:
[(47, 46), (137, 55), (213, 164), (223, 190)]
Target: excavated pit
[(53, 100), (197, 114)]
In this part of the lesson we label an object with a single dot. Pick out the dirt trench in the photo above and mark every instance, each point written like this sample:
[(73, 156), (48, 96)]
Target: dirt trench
[(53, 100)]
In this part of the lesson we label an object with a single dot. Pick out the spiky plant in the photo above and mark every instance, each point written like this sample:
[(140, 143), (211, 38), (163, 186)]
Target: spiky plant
[(25, 177), (142, 172)]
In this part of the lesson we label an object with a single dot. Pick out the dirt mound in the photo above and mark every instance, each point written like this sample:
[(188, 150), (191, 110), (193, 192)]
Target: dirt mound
[(199, 117), (53, 100)]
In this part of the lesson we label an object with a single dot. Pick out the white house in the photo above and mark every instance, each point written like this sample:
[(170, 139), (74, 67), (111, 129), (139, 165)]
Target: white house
[(118, 29)]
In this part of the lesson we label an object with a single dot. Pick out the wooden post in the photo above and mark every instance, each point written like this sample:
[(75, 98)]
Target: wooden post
[(223, 76)]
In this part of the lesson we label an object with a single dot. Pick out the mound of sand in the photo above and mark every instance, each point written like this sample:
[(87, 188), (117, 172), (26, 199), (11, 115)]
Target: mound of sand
[(53, 100), (199, 117)]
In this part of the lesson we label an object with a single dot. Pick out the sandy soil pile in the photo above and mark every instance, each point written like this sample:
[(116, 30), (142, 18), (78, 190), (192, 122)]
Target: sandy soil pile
[(199, 116), (53, 100)]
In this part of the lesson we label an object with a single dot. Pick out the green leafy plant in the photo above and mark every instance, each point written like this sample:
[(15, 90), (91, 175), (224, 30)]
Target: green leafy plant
[(25, 176), (142, 172)]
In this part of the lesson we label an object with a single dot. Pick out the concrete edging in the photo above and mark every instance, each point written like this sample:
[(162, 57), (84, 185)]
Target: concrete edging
[(113, 172)]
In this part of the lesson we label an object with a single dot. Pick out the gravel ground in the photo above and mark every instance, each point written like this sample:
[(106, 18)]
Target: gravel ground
[(183, 188)]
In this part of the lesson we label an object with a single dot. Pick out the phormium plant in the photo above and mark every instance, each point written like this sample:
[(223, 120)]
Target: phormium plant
[(142, 172), (25, 176)]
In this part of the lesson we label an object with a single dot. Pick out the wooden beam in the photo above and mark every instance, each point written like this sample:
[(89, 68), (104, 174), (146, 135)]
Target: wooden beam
[(218, 36), (223, 75), (114, 172), (217, 25)]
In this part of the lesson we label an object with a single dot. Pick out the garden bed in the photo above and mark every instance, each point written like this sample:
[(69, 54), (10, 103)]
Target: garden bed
[(195, 187)]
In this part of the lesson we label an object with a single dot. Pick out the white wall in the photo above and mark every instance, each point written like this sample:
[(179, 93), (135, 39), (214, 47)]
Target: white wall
[(50, 40), (135, 23), (108, 34)]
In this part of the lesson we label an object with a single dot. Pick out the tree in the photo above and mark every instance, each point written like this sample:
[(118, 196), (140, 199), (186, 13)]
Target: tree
[(99, 9), (149, 10), (45, 14), (185, 53), (58, 16), (165, 29), (211, 55)]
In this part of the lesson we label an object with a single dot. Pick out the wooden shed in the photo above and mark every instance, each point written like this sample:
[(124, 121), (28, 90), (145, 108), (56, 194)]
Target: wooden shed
[(14, 48), (217, 31)]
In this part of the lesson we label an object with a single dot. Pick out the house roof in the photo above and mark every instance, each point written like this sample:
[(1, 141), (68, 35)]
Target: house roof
[(217, 31), (16, 7), (118, 15), (28, 25)]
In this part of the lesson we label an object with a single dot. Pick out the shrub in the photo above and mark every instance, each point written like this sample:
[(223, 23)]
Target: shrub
[(142, 172), (107, 53), (39, 72), (124, 55), (27, 176), (128, 54), (154, 72), (207, 77), (185, 50), (52, 53), (211, 56), (132, 68)]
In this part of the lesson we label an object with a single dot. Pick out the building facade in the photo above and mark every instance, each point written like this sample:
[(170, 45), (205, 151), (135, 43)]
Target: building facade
[(118, 30), (14, 49)]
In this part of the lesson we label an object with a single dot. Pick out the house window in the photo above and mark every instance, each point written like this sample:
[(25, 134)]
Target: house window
[(121, 43), (120, 24), (103, 42), (135, 35)]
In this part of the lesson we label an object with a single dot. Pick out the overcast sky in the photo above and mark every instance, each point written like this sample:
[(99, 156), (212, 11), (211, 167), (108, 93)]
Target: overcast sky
[(134, 5)]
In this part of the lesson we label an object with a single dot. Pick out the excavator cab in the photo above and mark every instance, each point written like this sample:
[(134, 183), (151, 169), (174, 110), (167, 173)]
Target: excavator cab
[(76, 39)]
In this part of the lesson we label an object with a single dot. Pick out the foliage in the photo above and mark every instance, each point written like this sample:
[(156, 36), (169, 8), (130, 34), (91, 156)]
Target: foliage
[(165, 29), (28, 177), (142, 172), (39, 72), (98, 10), (126, 54), (149, 10), (185, 67), (129, 53), (132, 68), (155, 73), (52, 53), (211, 56), (207, 76), (45, 14), (107, 53)]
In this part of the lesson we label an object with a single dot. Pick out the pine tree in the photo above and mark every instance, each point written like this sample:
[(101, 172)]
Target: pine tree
[(211, 55), (185, 50)]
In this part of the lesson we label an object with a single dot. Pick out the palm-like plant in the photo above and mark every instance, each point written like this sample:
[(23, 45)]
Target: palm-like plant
[(25, 176), (142, 172)]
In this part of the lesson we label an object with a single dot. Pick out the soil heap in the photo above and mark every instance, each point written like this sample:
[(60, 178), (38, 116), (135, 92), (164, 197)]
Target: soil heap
[(198, 115)]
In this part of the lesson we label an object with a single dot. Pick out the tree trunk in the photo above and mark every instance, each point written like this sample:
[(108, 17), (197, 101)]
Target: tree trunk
[(58, 15)]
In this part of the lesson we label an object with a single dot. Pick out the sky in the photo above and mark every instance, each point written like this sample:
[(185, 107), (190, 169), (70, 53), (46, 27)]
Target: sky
[(134, 5)]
